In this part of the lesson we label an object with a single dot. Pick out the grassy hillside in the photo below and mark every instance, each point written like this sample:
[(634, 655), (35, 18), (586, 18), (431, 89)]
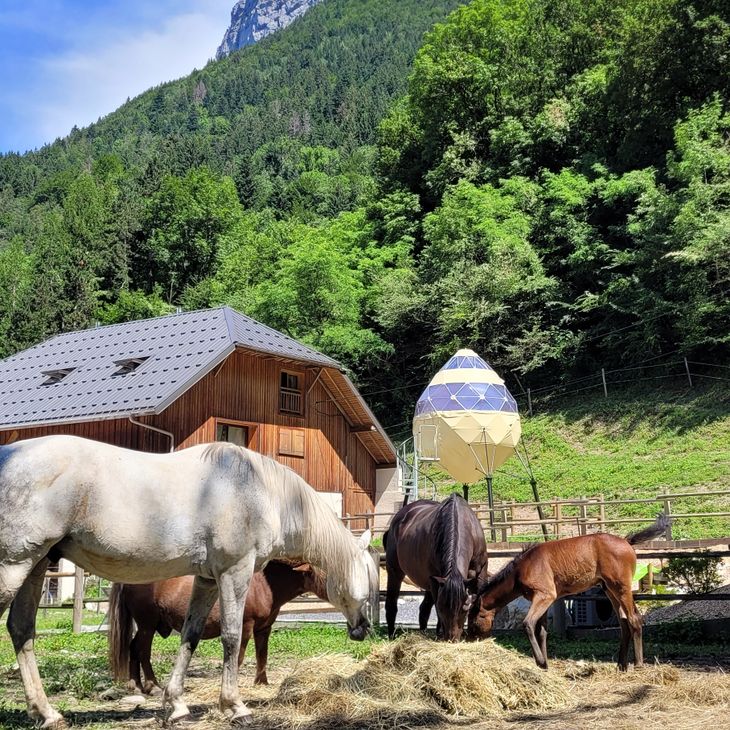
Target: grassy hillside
[(634, 444)]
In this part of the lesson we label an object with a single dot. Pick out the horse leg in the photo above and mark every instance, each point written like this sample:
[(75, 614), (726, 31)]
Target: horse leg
[(633, 623), (542, 635), (395, 580), (12, 577), (613, 593), (261, 640), (203, 597), (541, 602), (246, 635), (233, 587), (21, 626), (424, 612), (135, 671), (145, 638)]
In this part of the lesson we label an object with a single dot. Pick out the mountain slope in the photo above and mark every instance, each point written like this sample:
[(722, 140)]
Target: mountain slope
[(252, 20), (325, 80)]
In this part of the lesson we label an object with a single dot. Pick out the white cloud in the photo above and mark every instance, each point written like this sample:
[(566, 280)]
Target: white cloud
[(86, 82)]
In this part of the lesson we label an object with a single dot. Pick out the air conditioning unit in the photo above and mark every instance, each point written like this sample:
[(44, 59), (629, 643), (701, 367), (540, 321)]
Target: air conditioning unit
[(592, 608)]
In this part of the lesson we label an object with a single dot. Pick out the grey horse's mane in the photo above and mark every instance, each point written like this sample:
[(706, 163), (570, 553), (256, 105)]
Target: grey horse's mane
[(326, 542)]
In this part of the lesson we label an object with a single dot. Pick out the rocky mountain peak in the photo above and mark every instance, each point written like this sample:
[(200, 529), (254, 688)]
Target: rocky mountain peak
[(252, 20)]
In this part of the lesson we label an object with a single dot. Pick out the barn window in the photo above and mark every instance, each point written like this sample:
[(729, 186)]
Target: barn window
[(290, 392), (291, 441), (232, 434), (56, 376), (128, 365)]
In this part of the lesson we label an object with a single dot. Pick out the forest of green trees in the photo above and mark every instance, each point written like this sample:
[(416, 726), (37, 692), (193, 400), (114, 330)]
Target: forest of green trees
[(544, 181)]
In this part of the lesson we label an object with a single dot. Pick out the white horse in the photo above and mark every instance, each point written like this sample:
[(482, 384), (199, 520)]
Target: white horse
[(219, 512)]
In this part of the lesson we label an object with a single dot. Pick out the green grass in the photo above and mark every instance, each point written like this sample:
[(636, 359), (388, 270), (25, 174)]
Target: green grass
[(634, 444)]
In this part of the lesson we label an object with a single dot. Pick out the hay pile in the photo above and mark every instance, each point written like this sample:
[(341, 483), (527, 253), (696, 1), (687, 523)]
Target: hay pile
[(413, 679), (672, 688)]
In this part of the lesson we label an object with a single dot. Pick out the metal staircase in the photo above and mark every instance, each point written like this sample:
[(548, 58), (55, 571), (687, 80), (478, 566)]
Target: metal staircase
[(412, 481)]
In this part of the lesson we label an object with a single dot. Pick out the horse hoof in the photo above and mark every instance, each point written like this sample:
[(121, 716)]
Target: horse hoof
[(239, 716), (179, 720), (242, 721), (179, 716), (155, 691), (55, 723)]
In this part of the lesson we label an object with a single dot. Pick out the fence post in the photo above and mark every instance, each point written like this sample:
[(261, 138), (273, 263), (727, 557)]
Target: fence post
[(602, 512), (583, 517), (558, 514), (512, 517), (603, 377), (78, 614), (529, 402), (503, 515), (689, 376), (668, 513)]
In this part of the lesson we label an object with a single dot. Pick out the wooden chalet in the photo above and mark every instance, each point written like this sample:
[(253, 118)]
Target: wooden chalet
[(194, 377)]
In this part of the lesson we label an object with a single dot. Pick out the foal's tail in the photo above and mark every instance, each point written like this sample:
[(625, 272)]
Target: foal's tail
[(659, 527), (121, 626)]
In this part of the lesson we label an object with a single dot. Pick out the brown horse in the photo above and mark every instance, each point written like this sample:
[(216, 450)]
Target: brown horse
[(440, 546), (550, 570), (162, 607)]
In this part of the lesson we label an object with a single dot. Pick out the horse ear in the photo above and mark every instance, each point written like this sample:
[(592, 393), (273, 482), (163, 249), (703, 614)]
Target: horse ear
[(365, 538), (304, 568)]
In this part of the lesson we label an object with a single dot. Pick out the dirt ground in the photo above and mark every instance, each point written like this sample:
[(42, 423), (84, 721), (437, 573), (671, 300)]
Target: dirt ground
[(655, 697)]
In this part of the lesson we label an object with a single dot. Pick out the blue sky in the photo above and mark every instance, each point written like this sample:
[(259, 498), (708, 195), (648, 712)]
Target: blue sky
[(68, 62)]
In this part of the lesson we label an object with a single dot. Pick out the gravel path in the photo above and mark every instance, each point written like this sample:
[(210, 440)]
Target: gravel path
[(407, 615), (692, 610)]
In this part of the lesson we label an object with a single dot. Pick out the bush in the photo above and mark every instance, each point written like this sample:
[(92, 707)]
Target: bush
[(697, 575)]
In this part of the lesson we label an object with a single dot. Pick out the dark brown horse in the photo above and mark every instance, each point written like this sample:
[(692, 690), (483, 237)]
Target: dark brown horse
[(550, 570), (440, 546), (162, 607)]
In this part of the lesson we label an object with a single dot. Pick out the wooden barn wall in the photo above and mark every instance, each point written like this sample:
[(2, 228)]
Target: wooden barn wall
[(245, 388)]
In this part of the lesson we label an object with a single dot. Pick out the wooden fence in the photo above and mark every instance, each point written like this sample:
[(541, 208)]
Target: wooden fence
[(507, 521)]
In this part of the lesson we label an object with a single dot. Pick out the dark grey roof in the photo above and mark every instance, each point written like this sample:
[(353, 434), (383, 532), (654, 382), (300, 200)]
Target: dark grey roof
[(170, 353)]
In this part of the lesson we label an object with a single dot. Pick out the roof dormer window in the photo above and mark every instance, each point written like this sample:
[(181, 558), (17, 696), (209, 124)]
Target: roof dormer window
[(55, 376), (128, 365)]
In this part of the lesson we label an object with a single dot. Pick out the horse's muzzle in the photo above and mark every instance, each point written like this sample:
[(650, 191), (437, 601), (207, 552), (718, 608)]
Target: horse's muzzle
[(360, 631)]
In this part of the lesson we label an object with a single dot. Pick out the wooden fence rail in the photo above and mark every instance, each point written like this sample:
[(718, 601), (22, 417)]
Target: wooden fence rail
[(570, 516)]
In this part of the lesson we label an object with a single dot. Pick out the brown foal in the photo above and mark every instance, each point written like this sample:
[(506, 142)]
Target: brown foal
[(161, 607), (550, 570)]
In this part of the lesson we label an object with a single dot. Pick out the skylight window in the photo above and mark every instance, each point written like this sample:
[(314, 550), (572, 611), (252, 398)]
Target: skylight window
[(55, 376), (128, 365)]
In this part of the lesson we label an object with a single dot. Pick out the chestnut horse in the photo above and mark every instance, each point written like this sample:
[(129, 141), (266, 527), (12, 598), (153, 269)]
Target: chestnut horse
[(440, 546), (161, 607), (550, 570)]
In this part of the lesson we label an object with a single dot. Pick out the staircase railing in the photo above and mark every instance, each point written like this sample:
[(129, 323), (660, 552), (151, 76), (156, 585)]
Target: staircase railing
[(412, 481)]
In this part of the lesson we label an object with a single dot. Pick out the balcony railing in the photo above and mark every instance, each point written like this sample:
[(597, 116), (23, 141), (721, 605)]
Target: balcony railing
[(290, 401)]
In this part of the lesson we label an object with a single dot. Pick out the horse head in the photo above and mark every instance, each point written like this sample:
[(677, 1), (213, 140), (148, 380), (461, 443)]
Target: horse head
[(480, 621), (453, 602), (314, 580), (350, 594)]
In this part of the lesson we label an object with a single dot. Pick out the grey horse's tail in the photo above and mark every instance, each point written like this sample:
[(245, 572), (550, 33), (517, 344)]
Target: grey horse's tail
[(659, 527), (121, 626)]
